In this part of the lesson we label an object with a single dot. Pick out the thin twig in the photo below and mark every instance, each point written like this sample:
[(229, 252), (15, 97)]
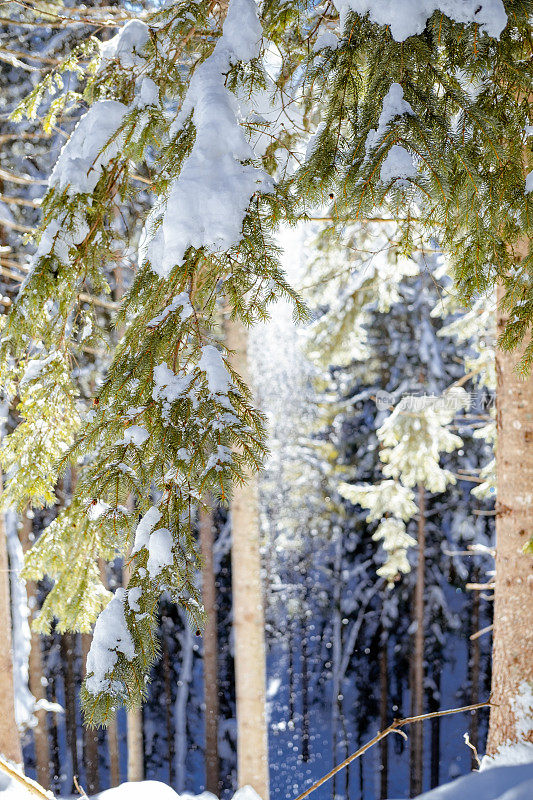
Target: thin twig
[(393, 728), (481, 632)]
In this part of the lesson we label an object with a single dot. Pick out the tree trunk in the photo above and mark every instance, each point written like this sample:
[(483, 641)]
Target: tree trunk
[(182, 698), (248, 618), (9, 735), (54, 736), (92, 771), (336, 655), (35, 671), (210, 641), (434, 705), (512, 662), (417, 729), (68, 655), (384, 716), (168, 708), (305, 689), (475, 670)]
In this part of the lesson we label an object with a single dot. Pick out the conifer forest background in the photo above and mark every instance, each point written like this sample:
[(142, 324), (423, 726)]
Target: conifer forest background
[(312, 372)]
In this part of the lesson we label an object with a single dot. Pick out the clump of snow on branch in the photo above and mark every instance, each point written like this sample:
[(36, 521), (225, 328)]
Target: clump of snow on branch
[(398, 163), (145, 526), (89, 148), (409, 17), (126, 45), (111, 637), (208, 200)]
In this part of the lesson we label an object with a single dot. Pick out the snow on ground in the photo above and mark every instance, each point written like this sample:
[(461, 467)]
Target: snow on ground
[(497, 783)]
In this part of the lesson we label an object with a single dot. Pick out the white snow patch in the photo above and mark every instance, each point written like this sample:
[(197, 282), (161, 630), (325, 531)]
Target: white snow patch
[(182, 301), (529, 182), (409, 17), (209, 198), (111, 636), (145, 526), (397, 164), (159, 551), (136, 435), (87, 151), (126, 45), (218, 377)]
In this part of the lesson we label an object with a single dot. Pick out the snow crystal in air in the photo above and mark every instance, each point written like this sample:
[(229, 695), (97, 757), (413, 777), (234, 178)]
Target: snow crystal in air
[(87, 152), (409, 17), (111, 637)]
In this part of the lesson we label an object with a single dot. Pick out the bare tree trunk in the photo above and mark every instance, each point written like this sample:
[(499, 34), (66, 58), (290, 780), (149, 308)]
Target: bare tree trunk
[(35, 671), (212, 774), (336, 655), (9, 735), (182, 698), (384, 716), (168, 710), (92, 771), (248, 617), (512, 663), (305, 690), (134, 718), (54, 736), (417, 731), (475, 670), (434, 705), (68, 654)]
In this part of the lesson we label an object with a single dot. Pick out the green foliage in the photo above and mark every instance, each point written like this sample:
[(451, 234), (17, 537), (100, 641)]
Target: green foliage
[(469, 95)]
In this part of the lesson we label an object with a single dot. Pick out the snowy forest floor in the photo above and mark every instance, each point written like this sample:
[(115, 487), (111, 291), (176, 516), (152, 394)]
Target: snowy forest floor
[(503, 781)]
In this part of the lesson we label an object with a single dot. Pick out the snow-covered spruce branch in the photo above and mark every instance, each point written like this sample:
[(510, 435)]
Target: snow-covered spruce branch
[(171, 421)]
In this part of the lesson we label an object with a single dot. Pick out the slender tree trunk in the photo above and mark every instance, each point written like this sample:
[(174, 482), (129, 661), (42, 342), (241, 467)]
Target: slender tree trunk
[(305, 690), (248, 617), (35, 671), (134, 717), (168, 710), (182, 698), (68, 655), (475, 670), (336, 655), (434, 705), (212, 774), (290, 667), (9, 735), (417, 730), (91, 749), (512, 662), (384, 716), (54, 736)]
